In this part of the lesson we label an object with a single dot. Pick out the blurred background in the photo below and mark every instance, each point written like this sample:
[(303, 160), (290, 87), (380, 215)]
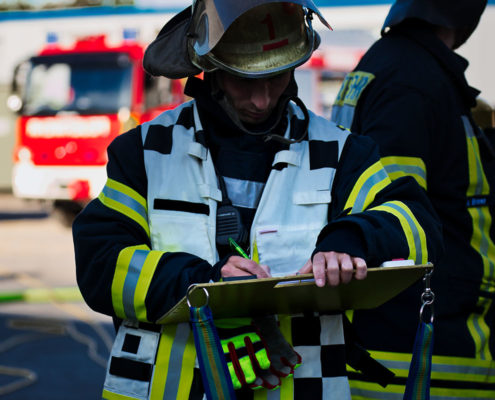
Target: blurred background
[(71, 79)]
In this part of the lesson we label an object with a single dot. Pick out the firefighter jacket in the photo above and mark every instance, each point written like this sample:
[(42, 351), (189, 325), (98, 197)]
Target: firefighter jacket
[(151, 233), (410, 95)]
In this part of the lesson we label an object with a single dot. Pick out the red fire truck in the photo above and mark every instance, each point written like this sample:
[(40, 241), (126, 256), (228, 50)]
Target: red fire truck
[(71, 103)]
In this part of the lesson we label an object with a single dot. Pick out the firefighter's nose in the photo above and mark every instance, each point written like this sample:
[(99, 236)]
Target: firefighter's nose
[(260, 94)]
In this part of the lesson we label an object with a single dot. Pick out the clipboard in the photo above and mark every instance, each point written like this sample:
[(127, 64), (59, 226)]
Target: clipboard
[(295, 294)]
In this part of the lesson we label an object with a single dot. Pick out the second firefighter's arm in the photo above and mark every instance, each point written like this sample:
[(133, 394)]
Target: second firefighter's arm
[(376, 219)]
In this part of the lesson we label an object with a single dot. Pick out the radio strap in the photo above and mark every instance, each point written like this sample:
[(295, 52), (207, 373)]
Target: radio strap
[(418, 380)]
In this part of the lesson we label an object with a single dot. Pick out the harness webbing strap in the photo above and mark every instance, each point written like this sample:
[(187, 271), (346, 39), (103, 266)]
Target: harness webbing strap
[(418, 381), (214, 373)]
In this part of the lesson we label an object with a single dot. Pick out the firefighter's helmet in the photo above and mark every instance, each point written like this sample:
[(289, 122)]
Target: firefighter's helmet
[(249, 38), (446, 13)]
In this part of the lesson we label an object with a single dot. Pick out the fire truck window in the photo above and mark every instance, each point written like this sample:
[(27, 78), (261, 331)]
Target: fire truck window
[(78, 87), (158, 91), (49, 88)]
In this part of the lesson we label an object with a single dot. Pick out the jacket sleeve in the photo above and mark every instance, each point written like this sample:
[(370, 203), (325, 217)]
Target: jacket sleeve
[(375, 218), (406, 125), (117, 271)]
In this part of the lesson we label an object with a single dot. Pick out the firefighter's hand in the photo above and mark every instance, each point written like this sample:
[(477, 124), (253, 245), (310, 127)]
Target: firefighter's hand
[(283, 358), (333, 268), (240, 266), (246, 354)]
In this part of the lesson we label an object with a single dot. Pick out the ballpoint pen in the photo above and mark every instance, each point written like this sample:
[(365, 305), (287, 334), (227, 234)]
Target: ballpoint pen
[(238, 248)]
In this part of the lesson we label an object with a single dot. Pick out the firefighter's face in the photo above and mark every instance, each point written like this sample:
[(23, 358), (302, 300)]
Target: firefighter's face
[(253, 99)]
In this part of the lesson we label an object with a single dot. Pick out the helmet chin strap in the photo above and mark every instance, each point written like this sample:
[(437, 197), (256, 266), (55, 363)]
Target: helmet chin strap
[(289, 95)]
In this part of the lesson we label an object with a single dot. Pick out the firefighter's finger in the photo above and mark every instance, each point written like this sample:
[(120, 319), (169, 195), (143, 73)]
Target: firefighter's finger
[(306, 268), (332, 268), (240, 266), (360, 267), (346, 267), (319, 265), (265, 268)]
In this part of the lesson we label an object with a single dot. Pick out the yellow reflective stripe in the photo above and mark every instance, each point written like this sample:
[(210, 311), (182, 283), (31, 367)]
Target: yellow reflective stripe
[(115, 396), (120, 187), (398, 166), (284, 322), (255, 255), (463, 369), (143, 283), (162, 362), (121, 269), (389, 356), (480, 241), (367, 186), (415, 235), (186, 375), (182, 388), (443, 367), (479, 329), (177, 375), (127, 201), (135, 268), (361, 390), (478, 184), (260, 394), (372, 391), (287, 387), (460, 394)]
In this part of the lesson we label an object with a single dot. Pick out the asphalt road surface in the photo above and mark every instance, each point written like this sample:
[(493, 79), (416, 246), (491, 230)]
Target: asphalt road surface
[(52, 346)]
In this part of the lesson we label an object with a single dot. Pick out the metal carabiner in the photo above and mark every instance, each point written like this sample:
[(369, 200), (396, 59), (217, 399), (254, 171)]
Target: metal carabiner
[(427, 298), (190, 288)]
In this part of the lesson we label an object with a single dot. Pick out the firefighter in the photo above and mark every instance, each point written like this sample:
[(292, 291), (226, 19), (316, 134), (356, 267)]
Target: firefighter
[(304, 195), (410, 95)]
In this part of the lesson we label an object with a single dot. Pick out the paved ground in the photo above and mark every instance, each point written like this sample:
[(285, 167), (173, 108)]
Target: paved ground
[(49, 349)]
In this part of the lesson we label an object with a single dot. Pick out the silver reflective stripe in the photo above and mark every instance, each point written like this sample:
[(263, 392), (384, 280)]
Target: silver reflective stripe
[(128, 201), (175, 364), (408, 169), (437, 367), (131, 280), (377, 177), (243, 193)]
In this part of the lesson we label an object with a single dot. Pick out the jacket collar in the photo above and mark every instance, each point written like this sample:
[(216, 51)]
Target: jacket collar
[(454, 65)]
